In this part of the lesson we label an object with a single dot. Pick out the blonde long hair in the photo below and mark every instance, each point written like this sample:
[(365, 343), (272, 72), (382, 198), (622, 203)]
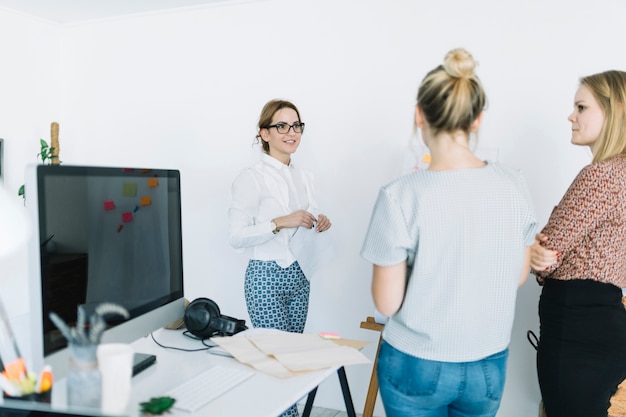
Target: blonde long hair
[(609, 90)]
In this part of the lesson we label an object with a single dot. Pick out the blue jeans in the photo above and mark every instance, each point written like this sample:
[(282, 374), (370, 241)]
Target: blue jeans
[(410, 386)]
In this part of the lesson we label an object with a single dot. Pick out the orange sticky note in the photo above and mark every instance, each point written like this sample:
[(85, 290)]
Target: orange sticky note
[(153, 182), (145, 200)]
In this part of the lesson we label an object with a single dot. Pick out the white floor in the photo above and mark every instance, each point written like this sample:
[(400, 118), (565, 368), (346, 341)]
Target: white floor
[(326, 412)]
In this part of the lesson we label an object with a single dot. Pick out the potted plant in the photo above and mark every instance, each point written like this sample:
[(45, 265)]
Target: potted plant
[(49, 154)]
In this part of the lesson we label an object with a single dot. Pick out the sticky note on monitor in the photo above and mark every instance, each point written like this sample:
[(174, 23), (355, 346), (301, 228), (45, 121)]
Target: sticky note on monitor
[(129, 189), (153, 182), (145, 200), (127, 217)]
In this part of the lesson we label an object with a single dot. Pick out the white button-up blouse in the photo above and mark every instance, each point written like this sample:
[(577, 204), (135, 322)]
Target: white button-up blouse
[(260, 193)]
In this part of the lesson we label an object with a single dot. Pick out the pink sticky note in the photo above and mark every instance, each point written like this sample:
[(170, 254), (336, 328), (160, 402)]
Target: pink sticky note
[(127, 217), (109, 205)]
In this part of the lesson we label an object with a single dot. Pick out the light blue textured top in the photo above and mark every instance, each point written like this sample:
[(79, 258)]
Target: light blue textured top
[(462, 233)]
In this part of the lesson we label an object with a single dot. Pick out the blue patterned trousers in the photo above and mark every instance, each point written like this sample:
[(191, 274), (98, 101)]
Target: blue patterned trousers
[(277, 298)]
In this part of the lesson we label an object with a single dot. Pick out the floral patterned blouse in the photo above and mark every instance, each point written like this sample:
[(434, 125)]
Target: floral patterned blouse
[(588, 227)]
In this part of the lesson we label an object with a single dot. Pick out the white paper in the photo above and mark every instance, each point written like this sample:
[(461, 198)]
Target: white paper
[(282, 354), (312, 249), (319, 359)]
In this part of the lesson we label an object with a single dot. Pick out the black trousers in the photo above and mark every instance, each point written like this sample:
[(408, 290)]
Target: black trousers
[(581, 357)]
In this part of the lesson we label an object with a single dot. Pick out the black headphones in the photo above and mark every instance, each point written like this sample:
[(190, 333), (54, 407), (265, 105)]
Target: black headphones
[(203, 319)]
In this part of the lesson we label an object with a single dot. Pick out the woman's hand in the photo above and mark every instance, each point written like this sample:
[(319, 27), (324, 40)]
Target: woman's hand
[(303, 218), (540, 257), (300, 218), (323, 223)]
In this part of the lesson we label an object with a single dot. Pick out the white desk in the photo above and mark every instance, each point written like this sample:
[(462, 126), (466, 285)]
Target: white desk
[(261, 395)]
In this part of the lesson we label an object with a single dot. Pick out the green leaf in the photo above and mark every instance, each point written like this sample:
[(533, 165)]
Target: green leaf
[(21, 191), (157, 405)]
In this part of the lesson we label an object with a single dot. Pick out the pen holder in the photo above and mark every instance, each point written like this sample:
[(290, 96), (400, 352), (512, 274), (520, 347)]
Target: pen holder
[(84, 381), (43, 397)]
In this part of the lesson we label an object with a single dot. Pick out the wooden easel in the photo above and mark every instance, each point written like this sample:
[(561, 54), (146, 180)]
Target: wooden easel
[(372, 391)]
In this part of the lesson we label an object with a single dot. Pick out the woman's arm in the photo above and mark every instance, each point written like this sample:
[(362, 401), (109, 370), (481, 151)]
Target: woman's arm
[(583, 206), (388, 287), (243, 230)]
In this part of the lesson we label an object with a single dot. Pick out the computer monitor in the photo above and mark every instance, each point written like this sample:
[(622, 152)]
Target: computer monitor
[(102, 234)]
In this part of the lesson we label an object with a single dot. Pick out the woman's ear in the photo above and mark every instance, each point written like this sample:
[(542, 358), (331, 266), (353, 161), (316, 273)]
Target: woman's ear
[(419, 117), (263, 133), (477, 122)]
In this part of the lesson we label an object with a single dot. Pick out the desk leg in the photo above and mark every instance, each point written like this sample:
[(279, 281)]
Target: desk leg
[(309, 403), (345, 389)]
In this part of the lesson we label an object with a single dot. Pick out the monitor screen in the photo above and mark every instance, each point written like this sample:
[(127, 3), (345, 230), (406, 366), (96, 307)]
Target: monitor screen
[(102, 234)]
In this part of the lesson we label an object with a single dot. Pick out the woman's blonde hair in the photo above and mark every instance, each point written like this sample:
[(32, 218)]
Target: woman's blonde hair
[(451, 96), (609, 90)]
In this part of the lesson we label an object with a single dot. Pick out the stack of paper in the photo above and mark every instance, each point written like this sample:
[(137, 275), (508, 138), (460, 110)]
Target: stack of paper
[(284, 354)]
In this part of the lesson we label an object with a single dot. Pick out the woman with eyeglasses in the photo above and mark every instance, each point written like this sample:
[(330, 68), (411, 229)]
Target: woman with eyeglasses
[(449, 246), (271, 200)]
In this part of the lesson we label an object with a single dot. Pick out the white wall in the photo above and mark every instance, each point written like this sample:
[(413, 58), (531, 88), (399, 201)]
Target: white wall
[(183, 90), (29, 94)]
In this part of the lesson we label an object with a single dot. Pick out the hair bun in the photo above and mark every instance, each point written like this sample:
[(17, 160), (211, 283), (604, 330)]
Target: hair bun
[(459, 63)]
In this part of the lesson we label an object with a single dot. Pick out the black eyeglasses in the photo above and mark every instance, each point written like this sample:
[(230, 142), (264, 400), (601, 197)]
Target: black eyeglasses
[(283, 128)]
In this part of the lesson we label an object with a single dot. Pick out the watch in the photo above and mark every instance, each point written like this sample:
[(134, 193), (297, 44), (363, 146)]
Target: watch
[(274, 227)]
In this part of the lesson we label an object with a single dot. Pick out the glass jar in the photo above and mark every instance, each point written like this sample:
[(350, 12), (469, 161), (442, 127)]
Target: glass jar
[(84, 382)]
